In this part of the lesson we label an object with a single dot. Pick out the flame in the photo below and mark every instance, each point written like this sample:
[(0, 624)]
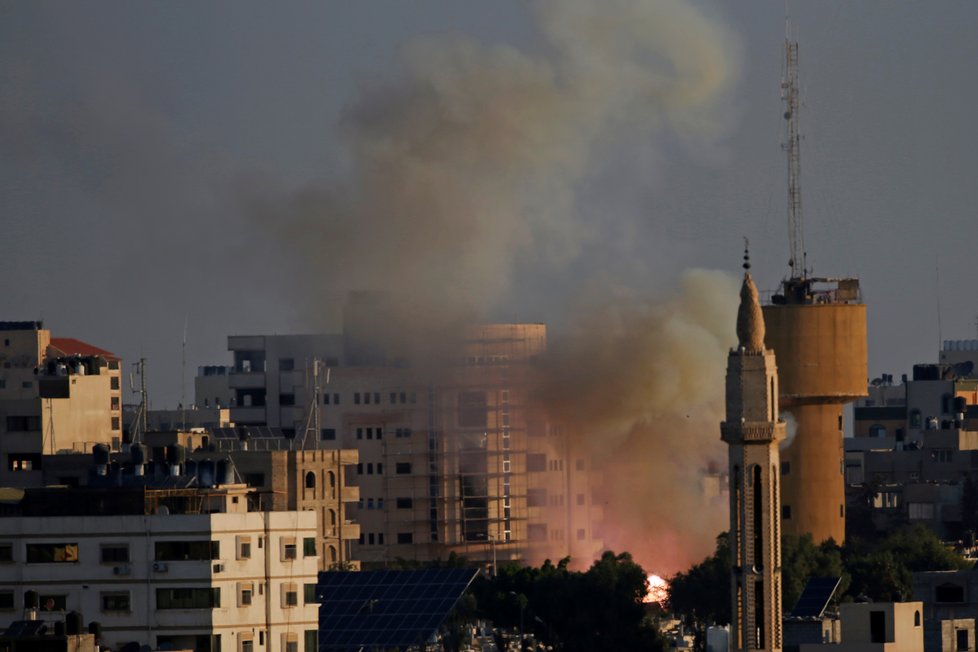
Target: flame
[(658, 589)]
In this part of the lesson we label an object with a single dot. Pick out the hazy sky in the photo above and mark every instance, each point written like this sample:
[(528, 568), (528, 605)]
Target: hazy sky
[(137, 138)]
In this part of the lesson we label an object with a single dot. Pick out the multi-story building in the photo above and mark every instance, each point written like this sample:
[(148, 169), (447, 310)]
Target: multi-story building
[(453, 455), (915, 444), (166, 567), (56, 394)]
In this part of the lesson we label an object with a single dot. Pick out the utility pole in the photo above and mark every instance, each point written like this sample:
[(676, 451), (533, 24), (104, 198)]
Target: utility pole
[(138, 426)]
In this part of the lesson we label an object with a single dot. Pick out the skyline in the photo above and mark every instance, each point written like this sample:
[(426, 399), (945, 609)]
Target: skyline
[(128, 181)]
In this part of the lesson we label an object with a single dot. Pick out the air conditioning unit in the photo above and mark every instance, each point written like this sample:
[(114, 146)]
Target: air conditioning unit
[(218, 568), (159, 566), (120, 570)]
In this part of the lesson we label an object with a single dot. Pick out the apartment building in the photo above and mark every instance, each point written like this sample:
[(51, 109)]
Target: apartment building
[(166, 567), (56, 394), (453, 455)]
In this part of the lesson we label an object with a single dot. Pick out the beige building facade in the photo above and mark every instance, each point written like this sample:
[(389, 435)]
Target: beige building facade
[(56, 395)]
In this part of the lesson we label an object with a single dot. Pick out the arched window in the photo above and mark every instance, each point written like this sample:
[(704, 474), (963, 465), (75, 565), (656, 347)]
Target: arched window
[(332, 517), (310, 480), (332, 479), (332, 554), (916, 619)]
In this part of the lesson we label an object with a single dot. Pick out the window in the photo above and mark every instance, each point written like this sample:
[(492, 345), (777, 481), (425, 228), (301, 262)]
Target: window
[(115, 601), (246, 642), (380, 468), (242, 543), (942, 455), (581, 534), (114, 382), (366, 398), (114, 553), (580, 499), (286, 364), (380, 433), (920, 511), (309, 547), (55, 602), (309, 593), (6, 552), (472, 412), (116, 424), (48, 553), (329, 434), (359, 433), (536, 531), (187, 550), (246, 591), (536, 462), (290, 642), (27, 384), (785, 468), (286, 399), (310, 480), (356, 398), (289, 550), (404, 503), (187, 598), (786, 512), (290, 595), (24, 424), (877, 626), (961, 635), (405, 537), (536, 497), (402, 468), (310, 641), (360, 468), (6, 600), (370, 468), (949, 593)]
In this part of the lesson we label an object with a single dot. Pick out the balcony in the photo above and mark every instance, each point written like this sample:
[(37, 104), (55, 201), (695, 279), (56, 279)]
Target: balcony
[(246, 380), (248, 415), (351, 531)]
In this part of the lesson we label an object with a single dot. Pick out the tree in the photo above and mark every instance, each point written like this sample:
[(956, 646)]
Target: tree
[(701, 596), (802, 560), (598, 609)]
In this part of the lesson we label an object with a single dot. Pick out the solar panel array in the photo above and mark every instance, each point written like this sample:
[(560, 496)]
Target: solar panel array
[(25, 628), (386, 609), (253, 432), (815, 598)]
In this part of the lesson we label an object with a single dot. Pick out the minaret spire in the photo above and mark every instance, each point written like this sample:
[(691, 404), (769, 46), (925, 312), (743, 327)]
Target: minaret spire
[(753, 430)]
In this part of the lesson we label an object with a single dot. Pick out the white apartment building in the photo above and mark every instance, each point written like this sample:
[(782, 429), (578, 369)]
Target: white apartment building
[(169, 568)]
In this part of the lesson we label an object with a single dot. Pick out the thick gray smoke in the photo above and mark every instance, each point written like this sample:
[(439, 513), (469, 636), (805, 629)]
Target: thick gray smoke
[(641, 386), (468, 165)]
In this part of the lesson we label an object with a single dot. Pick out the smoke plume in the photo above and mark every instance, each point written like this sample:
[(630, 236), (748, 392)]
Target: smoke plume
[(468, 164), (641, 386)]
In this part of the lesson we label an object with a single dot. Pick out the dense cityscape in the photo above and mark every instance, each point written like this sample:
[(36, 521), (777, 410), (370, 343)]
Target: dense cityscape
[(474, 368)]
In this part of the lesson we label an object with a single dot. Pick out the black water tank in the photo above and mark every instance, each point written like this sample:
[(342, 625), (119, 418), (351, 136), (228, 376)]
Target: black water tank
[(100, 454), (95, 628), (224, 475), (137, 453), (176, 454), (31, 600), (73, 623), (205, 473)]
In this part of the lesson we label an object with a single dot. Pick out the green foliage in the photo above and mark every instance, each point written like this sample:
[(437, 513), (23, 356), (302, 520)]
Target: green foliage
[(801, 560), (598, 609), (702, 594)]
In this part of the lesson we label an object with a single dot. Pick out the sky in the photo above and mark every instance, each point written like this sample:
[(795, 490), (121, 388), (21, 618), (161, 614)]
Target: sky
[(165, 167)]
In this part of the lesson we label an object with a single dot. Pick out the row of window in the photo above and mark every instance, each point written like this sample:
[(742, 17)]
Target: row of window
[(368, 398), (169, 598), (372, 539), (368, 468), (115, 553)]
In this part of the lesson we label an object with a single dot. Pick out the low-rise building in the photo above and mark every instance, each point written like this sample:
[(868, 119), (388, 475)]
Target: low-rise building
[(165, 567)]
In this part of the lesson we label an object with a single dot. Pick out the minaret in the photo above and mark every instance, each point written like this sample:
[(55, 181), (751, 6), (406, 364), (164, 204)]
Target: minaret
[(752, 431)]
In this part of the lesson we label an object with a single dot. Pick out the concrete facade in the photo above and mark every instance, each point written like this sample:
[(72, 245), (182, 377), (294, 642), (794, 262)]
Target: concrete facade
[(453, 456), (753, 431), (817, 329), (188, 569), (56, 394)]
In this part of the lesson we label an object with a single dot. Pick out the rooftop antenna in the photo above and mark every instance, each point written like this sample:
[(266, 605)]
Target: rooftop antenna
[(183, 375), (792, 146), (138, 426)]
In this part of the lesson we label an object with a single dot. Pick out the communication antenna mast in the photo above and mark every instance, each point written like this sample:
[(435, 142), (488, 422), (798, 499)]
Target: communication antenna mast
[(138, 426), (183, 375), (313, 425), (792, 146)]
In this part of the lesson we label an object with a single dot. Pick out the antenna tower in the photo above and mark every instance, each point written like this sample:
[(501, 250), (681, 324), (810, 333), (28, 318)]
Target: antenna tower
[(792, 146), (138, 426)]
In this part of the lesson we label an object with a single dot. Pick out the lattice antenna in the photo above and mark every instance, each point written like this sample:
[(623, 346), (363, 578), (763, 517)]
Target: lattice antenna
[(792, 147)]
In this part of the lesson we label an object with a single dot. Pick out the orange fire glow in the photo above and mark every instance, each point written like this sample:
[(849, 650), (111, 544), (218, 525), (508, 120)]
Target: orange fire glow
[(658, 589)]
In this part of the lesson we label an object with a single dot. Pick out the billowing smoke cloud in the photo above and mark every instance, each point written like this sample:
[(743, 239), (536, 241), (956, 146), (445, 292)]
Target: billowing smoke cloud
[(468, 165), (641, 386)]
